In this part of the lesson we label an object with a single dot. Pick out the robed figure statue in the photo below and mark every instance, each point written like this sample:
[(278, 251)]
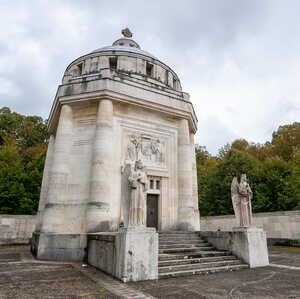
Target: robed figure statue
[(241, 195), (138, 184)]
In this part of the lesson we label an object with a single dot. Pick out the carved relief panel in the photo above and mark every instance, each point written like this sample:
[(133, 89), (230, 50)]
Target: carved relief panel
[(147, 148)]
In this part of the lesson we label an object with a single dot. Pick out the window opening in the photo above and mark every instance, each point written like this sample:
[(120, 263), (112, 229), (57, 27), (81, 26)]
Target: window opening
[(113, 62), (174, 83), (80, 67), (151, 184), (157, 184), (167, 77), (149, 69)]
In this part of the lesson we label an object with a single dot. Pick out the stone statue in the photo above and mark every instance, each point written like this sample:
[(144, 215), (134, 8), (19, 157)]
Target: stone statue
[(138, 184), (241, 196), (126, 32)]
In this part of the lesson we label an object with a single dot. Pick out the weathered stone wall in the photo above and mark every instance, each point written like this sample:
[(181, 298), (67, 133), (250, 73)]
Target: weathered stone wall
[(277, 225), (16, 229), (130, 254)]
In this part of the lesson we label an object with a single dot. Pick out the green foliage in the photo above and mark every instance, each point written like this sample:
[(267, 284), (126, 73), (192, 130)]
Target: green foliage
[(22, 156), (286, 141), (26, 131), (273, 170)]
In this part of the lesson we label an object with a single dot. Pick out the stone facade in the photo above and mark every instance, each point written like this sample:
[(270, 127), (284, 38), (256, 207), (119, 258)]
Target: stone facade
[(107, 99)]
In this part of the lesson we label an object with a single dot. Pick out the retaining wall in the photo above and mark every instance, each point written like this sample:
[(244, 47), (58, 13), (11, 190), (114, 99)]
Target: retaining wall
[(16, 229), (279, 226)]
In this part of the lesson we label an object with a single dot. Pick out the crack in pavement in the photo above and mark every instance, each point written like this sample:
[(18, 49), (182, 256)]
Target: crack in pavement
[(285, 267), (250, 282)]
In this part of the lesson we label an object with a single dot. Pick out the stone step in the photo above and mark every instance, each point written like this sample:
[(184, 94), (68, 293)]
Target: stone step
[(203, 271), (179, 235), (197, 266), (170, 242), (195, 260), (175, 245), (175, 242), (186, 249), (184, 242), (176, 238), (187, 255), (178, 232)]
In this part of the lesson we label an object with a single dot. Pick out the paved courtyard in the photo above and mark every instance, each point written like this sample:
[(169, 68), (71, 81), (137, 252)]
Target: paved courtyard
[(21, 276)]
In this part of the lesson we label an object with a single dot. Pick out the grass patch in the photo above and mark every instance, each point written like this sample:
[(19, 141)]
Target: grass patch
[(286, 248), (98, 287)]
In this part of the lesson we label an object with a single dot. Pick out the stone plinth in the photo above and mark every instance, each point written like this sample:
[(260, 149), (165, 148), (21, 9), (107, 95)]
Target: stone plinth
[(59, 247), (249, 244), (138, 254), (130, 254)]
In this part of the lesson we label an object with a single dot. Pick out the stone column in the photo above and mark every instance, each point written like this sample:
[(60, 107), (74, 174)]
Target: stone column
[(60, 174), (98, 215), (185, 179), (195, 184), (45, 182)]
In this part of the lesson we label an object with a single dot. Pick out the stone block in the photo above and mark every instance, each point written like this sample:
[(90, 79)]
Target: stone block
[(102, 252), (137, 251), (59, 247), (130, 254), (249, 244)]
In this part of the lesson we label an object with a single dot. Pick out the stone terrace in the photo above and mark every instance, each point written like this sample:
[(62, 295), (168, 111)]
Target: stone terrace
[(21, 276)]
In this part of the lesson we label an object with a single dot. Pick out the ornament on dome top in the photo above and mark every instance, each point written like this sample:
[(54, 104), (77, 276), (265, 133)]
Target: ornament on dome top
[(126, 32)]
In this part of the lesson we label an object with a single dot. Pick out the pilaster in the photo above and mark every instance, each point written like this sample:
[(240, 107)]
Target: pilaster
[(185, 179), (60, 175), (195, 184), (98, 207), (45, 182)]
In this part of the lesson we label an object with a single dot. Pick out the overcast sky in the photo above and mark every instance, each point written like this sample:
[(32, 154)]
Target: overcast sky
[(239, 60)]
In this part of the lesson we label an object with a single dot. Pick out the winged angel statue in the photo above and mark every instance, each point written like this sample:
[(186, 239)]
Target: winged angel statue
[(241, 196)]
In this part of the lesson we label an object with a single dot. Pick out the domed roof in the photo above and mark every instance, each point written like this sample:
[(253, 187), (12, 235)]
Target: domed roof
[(125, 44), (125, 49)]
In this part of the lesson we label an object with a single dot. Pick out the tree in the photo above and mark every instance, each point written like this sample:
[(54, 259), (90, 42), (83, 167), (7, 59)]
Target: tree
[(27, 131), (23, 144), (11, 180), (270, 184), (286, 141), (215, 177)]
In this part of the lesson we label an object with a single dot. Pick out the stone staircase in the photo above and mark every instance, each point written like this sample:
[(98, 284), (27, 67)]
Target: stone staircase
[(186, 253)]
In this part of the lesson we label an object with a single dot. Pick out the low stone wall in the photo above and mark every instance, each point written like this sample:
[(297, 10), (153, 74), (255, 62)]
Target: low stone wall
[(16, 229), (279, 226), (248, 244), (130, 254)]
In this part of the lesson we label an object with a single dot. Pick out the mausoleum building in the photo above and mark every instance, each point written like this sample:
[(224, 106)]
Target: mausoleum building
[(116, 105)]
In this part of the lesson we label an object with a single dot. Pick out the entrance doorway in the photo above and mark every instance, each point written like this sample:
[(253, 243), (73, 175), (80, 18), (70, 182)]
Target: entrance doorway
[(152, 210)]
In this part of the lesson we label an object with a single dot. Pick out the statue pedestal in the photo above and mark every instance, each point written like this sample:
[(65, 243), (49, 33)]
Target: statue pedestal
[(247, 243), (131, 254), (250, 244), (137, 249)]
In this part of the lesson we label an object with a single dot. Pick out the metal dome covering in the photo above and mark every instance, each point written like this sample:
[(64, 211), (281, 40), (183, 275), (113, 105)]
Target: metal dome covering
[(124, 49)]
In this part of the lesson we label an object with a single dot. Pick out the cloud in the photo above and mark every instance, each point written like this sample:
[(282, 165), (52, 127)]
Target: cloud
[(239, 60)]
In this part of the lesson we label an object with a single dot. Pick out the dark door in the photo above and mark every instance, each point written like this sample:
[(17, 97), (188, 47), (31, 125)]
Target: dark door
[(152, 210)]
